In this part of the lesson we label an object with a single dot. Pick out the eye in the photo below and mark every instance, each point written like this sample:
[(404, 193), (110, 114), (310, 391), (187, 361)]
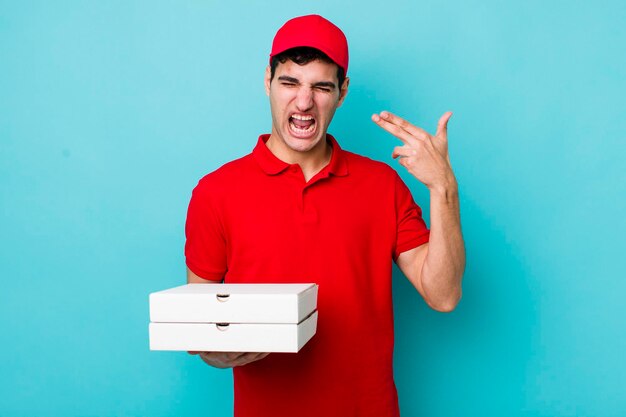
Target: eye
[(287, 84), (324, 89)]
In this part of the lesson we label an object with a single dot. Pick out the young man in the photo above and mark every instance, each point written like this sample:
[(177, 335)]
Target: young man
[(301, 209)]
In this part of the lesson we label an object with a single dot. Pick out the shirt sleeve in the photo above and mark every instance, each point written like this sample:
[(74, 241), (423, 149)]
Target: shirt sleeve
[(411, 229), (205, 245)]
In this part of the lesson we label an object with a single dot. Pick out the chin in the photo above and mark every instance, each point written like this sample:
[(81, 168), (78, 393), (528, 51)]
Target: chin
[(303, 145)]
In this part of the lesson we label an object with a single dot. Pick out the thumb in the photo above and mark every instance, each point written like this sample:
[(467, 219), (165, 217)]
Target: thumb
[(442, 126)]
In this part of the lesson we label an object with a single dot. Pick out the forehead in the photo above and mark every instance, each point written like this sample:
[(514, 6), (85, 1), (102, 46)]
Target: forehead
[(314, 71)]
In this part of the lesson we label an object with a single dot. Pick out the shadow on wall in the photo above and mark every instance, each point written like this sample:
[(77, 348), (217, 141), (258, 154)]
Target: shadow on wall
[(472, 361)]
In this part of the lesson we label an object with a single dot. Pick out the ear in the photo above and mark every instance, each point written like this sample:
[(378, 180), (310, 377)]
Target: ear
[(268, 75), (343, 92)]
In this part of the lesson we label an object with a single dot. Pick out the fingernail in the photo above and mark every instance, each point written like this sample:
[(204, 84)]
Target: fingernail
[(375, 117), (384, 114)]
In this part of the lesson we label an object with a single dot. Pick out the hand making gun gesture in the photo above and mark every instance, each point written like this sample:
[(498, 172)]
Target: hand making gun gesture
[(425, 156)]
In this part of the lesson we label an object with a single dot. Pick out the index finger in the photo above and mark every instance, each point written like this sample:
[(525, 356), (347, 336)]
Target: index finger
[(395, 130), (404, 125)]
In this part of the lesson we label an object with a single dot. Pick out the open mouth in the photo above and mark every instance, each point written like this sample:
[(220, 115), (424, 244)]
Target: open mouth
[(301, 125)]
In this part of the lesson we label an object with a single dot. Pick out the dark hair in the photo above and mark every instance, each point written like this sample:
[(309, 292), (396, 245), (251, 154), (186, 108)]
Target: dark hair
[(302, 56)]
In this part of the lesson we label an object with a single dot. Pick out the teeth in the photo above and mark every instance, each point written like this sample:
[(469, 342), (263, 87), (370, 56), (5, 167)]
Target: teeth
[(299, 117), (297, 129)]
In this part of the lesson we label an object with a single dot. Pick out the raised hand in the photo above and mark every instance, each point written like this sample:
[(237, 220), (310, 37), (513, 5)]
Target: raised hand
[(425, 156)]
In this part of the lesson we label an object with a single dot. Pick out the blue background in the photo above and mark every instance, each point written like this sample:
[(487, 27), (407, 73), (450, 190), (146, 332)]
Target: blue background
[(111, 111)]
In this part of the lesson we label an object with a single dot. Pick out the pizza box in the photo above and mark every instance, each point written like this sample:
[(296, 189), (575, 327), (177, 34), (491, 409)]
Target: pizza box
[(233, 317), (234, 303), (233, 337)]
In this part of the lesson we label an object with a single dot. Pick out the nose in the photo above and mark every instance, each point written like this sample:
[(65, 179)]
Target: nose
[(304, 99)]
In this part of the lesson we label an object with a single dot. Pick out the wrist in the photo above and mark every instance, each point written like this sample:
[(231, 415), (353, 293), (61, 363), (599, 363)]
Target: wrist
[(447, 189)]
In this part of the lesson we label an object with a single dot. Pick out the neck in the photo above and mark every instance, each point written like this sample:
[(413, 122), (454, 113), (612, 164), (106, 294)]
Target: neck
[(311, 162)]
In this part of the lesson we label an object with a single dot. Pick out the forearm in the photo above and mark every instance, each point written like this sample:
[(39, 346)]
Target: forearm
[(444, 264)]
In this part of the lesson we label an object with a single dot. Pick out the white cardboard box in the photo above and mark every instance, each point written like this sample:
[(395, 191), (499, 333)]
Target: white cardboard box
[(234, 337), (233, 317)]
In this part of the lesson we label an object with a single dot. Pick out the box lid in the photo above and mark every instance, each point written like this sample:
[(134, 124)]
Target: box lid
[(234, 303)]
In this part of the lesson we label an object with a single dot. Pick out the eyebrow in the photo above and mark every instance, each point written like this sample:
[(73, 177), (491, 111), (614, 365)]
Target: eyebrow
[(327, 84)]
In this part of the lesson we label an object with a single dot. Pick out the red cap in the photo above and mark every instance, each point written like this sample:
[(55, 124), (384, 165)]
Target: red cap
[(315, 32)]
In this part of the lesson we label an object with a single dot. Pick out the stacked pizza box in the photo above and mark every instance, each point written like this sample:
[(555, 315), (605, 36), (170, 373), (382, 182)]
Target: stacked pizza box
[(233, 317)]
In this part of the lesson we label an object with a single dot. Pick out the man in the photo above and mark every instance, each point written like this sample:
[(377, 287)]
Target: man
[(301, 209)]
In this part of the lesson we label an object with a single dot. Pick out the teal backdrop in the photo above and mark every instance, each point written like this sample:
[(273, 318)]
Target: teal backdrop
[(111, 111)]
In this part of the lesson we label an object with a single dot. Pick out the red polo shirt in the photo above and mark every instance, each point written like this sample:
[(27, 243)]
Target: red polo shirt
[(256, 220)]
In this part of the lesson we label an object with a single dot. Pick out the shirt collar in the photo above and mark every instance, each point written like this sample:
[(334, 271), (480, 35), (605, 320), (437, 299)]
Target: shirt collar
[(271, 165)]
